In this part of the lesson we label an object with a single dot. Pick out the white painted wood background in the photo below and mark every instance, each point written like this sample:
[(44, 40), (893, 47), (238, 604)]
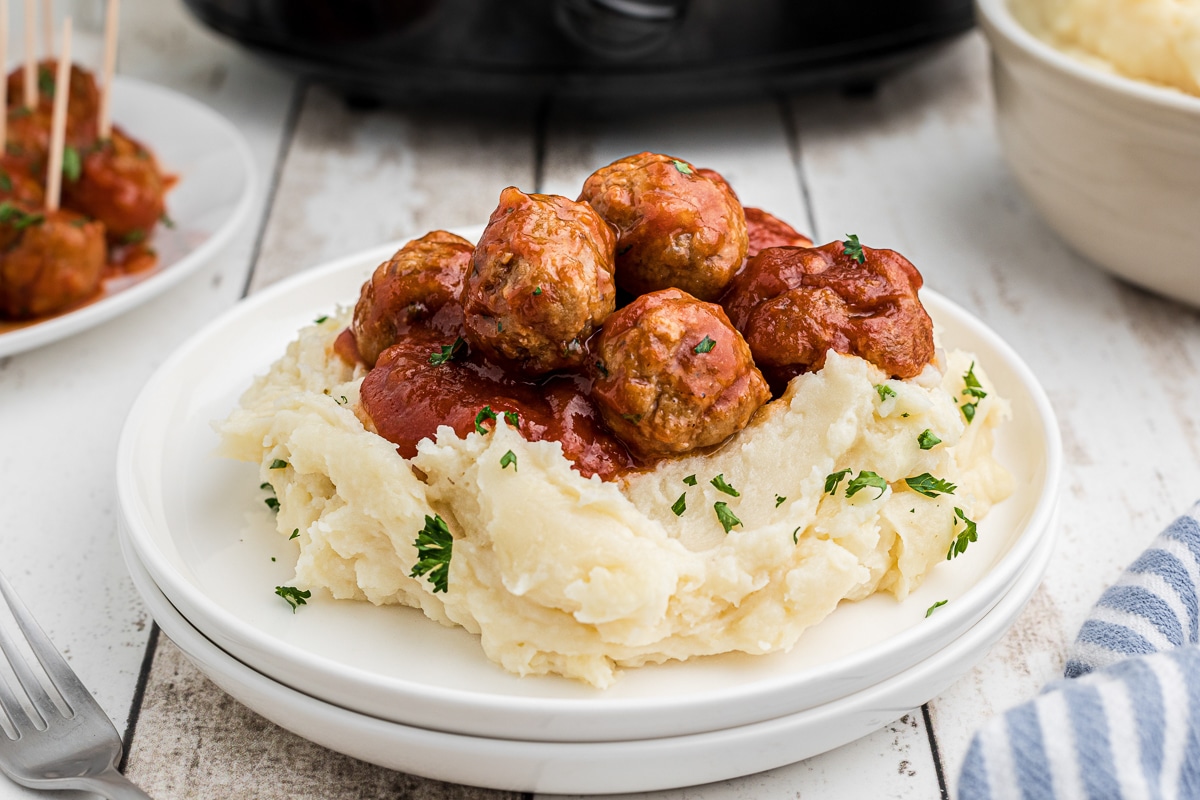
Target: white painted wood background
[(915, 167)]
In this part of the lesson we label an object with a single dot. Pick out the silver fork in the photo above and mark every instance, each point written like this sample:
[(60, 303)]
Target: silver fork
[(52, 750)]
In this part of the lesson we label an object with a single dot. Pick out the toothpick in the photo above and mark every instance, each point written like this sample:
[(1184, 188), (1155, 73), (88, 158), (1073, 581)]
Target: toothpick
[(4, 83), (58, 123), (31, 96), (111, 18), (48, 27)]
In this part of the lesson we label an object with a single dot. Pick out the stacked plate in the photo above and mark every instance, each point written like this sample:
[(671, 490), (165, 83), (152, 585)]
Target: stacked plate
[(388, 686)]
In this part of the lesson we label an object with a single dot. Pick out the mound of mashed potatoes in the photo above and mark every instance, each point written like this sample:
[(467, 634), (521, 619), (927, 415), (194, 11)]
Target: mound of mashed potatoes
[(561, 574), (1151, 40)]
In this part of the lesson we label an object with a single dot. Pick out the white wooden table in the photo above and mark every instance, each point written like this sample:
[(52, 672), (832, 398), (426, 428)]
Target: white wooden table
[(916, 167)]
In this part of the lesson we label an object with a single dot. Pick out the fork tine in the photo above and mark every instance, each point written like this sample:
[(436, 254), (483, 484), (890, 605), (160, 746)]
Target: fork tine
[(11, 708), (56, 668)]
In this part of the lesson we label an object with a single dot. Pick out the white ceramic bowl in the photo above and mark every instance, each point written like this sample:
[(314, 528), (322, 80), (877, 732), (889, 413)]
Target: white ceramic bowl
[(1112, 164)]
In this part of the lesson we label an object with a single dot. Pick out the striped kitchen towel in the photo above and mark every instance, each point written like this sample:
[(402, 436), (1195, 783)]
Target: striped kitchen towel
[(1125, 723)]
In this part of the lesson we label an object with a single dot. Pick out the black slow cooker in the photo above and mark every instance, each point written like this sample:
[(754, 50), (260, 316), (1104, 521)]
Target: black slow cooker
[(653, 50)]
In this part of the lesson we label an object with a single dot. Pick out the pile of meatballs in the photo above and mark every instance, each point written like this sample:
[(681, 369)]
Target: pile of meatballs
[(655, 312)]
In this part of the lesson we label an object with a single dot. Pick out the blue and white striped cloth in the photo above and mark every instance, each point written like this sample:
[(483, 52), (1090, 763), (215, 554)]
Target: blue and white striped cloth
[(1125, 723)]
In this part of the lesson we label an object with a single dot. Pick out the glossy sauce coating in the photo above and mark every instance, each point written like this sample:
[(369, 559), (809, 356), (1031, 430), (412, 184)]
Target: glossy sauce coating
[(794, 304), (407, 398), (766, 230), (121, 185), (49, 261)]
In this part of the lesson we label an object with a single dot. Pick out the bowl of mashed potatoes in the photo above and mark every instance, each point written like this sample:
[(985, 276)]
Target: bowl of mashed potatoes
[(1098, 111)]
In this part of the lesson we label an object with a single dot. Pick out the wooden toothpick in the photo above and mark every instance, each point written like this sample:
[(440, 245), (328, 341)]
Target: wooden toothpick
[(111, 19), (4, 83), (58, 123), (48, 27), (31, 93)]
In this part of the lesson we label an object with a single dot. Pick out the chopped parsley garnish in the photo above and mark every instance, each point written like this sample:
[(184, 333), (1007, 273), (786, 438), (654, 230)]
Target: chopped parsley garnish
[(632, 419), (19, 219), (135, 236), (722, 486), (927, 440), (884, 391), (278, 463), (320, 320), (45, 80), (434, 546), (973, 389), (537, 291), (852, 248), (690, 480), (295, 534), (448, 352), (272, 503), (796, 535), (509, 458), (486, 414), (779, 499), (930, 486), (935, 607), (603, 370), (706, 345), (266, 486), (72, 166), (967, 535), (866, 478), (680, 505), (682, 166), (294, 596), (5, 182), (341, 401), (726, 517), (833, 479), (166, 220)]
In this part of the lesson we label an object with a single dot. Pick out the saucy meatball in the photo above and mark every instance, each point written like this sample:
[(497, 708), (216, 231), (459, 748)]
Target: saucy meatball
[(794, 304), (48, 261), (672, 374), (678, 226), (17, 185), (419, 285), (120, 184), (766, 230), (83, 100), (541, 282)]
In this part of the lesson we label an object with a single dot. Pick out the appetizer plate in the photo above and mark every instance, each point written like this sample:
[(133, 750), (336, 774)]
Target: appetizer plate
[(593, 767), (207, 205), (200, 526)]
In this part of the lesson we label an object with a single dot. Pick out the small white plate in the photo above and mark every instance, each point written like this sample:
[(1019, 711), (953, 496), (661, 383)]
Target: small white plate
[(592, 767), (207, 205), (199, 525)]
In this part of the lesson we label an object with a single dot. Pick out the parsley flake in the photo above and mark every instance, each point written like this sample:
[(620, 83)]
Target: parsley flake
[(930, 486), (602, 369), (866, 478), (278, 463), (706, 345), (486, 414), (884, 391), (45, 81), (935, 607), (726, 517), (72, 166), (690, 480), (166, 220), (927, 440), (272, 503), (796, 535), (973, 389), (294, 596), (448, 352), (537, 291), (722, 486), (321, 320), (5, 182), (852, 248), (967, 535), (680, 505), (18, 218), (833, 479), (295, 534), (135, 236), (779, 499), (509, 458), (682, 166), (434, 546)]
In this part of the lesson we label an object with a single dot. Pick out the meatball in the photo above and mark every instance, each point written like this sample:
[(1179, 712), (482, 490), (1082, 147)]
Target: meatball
[(48, 262), (678, 226), (766, 230), (419, 285), (83, 100), (672, 374), (120, 184), (541, 282), (794, 304), (17, 185)]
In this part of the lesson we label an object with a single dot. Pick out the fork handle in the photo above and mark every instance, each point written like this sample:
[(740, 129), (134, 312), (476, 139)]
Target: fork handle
[(115, 786)]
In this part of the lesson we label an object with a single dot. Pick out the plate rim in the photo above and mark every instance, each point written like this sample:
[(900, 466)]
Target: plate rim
[(999, 577), (61, 326)]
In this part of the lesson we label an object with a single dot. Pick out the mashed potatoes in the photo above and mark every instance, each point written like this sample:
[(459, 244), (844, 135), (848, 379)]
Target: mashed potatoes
[(1151, 40), (573, 576)]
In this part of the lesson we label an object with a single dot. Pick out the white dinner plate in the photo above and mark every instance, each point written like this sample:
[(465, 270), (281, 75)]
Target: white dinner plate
[(593, 767), (199, 525), (207, 205)]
